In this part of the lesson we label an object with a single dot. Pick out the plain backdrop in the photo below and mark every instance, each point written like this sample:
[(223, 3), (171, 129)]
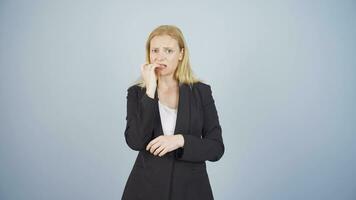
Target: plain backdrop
[(283, 76)]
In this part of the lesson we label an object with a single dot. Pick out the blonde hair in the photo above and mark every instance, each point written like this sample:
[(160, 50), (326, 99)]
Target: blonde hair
[(183, 73)]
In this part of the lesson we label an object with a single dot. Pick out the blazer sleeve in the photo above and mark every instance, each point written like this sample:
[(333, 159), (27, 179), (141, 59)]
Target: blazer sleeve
[(210, 146), (139, 119)]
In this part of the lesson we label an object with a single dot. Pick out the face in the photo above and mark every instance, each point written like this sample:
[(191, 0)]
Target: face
[(164, 50)]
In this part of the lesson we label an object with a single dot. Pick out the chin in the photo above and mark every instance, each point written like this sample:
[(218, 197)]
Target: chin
[(165, 73)]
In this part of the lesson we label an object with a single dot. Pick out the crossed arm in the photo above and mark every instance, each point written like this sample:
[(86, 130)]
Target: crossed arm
[(139, 131)]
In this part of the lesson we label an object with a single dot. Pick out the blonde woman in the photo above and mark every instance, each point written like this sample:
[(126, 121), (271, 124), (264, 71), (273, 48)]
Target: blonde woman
[(172, 122)]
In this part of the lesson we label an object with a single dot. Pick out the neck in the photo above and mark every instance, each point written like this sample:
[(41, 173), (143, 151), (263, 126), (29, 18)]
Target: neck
[(165, 82)]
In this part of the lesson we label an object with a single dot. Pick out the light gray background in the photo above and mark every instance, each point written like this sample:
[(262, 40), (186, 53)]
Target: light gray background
[(282, 75)]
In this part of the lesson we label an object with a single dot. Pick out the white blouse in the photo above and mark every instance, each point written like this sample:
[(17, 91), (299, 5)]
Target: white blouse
[(168, 118)]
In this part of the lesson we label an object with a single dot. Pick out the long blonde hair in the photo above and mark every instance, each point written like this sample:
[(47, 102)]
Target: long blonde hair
[(183, 73)]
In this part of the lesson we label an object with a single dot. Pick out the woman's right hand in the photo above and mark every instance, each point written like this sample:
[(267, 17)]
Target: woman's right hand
[(150, 78)]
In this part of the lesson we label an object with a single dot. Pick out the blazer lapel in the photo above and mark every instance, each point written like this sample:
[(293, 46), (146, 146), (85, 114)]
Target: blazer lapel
[(183, 113), (158, 124)]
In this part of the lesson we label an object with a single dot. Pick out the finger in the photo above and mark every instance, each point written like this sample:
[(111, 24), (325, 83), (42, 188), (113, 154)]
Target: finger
[(152, 142), (153, 66), (146, 67), (155, 146), (163, 152), (158, 150)]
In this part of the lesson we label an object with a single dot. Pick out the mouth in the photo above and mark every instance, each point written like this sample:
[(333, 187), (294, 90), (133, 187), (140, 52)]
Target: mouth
[(162, 66)]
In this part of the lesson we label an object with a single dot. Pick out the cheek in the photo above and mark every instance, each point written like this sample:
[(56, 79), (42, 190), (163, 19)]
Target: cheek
[(174, 62), (151, 58)]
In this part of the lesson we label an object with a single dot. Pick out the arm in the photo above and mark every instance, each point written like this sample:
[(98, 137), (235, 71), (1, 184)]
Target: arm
[(139, 119), (210, 146)]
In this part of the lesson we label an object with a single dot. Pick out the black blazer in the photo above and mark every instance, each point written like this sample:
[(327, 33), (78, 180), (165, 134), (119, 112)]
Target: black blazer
[(180, 174)]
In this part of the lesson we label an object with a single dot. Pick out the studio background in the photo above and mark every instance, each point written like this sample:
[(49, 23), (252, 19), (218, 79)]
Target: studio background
[(282, 75)]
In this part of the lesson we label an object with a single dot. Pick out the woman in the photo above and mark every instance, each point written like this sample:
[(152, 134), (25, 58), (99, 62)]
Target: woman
[(172, 121)]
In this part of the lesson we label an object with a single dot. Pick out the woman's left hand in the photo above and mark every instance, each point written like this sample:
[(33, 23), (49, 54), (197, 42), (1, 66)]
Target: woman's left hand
[(164, 144)]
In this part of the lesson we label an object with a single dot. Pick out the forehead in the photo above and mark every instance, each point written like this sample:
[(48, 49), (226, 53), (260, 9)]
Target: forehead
[(163, 41)]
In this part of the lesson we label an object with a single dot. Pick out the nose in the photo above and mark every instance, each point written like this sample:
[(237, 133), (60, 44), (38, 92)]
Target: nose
[(160, 56)]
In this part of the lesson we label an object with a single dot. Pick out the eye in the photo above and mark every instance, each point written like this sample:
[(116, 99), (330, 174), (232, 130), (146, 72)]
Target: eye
[(154, 50), (169, 51)]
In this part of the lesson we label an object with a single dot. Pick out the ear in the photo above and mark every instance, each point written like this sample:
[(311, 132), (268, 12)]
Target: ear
[(181, 54)]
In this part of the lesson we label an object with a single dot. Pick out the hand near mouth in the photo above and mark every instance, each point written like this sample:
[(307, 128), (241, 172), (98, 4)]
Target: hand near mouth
[(149, 75)]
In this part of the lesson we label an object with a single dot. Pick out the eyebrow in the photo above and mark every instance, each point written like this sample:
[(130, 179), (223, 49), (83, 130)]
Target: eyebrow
[(163, 47)]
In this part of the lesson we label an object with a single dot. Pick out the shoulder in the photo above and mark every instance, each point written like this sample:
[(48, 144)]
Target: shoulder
[(204, 91), (135, 88), (204, 88), (135, 91)]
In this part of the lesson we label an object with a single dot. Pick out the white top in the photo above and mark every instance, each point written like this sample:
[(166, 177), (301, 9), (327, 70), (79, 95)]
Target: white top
[(168, 118)]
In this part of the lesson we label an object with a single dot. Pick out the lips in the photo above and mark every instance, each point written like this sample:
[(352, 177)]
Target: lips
[(162, 65)]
